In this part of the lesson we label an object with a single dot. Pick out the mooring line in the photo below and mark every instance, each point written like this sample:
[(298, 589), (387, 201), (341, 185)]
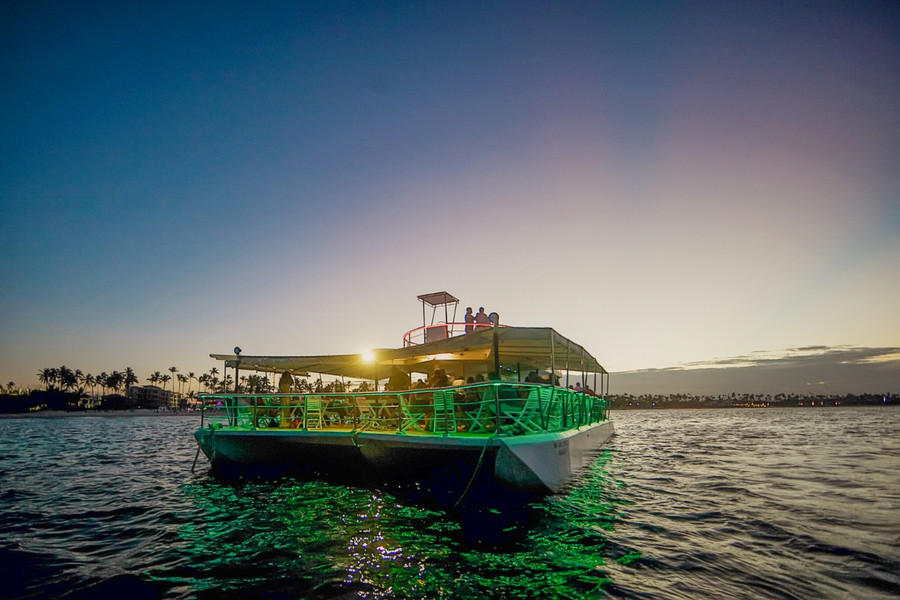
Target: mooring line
[(475, 472), (196, 456)]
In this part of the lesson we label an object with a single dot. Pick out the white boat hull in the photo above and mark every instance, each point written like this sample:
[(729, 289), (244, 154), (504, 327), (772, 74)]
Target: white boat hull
[(539, 463), (549, 460)]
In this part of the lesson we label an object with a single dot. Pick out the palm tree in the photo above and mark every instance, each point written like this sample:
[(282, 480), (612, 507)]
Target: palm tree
[(91, 382), (165, 379), (129, 379), (190, 376), (47, 376), (173, 370), (103, 382), (67, 378), (115, 381), (182, 379), (213, 380)]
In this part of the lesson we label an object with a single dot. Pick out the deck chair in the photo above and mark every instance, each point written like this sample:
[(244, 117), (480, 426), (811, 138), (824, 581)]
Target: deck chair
[(366, 414), (314, 417), (444, 412), (527, 417), (484, 413), (551, 404), (240, 411), (262, 411), (408, 418)]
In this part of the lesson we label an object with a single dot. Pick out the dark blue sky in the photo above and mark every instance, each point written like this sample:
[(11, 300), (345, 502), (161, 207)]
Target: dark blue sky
[(687, 181)]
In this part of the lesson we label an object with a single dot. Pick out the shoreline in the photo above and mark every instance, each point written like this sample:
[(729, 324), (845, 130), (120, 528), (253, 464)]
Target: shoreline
[(138, 412), (147, 412)]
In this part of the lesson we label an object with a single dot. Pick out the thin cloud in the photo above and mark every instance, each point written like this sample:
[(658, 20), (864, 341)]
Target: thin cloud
[(819, 369)]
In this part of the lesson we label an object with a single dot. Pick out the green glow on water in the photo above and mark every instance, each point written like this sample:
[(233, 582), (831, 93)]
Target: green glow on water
[(629, 558), (314, 539)]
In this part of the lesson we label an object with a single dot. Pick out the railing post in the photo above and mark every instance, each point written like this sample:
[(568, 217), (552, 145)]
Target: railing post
[(541, 409), (305, 409), (497, 409)]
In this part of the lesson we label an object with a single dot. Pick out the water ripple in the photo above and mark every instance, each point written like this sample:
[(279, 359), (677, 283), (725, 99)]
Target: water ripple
[(682, 504)]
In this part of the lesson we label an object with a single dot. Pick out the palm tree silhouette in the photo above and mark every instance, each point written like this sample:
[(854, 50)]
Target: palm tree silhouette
[(91, 382), (115, 381), (67, 378), (129, 379), (47, 376), (103, 382)]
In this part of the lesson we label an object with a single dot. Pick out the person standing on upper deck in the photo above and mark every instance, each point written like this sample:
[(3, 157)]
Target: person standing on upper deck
[(470, 320), (481, 317)]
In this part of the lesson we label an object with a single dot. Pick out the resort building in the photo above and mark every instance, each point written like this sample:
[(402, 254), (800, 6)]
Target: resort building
[(153, 397)]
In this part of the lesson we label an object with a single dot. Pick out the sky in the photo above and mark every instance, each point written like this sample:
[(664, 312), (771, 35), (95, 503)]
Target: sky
[(667, 183)]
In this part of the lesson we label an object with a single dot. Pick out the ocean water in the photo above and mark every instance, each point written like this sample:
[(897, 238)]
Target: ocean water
[(769, 503)]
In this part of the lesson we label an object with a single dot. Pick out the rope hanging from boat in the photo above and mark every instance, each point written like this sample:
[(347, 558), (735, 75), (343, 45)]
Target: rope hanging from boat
[(487, 442), (196, 456)]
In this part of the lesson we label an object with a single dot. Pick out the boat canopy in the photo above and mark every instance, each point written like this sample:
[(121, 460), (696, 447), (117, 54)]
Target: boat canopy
[(527, 347)]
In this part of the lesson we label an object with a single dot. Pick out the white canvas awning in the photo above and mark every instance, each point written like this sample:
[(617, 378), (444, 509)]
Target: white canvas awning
[(528, 347)]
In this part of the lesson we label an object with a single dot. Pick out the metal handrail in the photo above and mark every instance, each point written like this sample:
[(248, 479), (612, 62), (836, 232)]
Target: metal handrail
[(451, 328), (496, 407)]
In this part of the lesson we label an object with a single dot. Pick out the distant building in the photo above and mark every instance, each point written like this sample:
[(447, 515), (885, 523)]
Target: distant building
[(151, 396)]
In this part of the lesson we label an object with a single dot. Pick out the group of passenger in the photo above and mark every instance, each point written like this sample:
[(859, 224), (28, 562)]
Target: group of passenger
[(535, 377), (387, 411), (439, 378), (578, 389), (479, 319), (400, 381)]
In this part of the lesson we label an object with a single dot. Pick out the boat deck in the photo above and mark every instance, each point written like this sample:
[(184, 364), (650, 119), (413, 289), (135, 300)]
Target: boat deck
[(482, 409)]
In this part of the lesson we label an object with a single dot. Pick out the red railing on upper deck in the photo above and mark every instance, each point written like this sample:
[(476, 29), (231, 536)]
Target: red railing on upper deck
[(440, 331)]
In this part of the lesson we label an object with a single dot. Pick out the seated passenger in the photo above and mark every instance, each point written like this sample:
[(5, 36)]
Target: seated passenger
[(399, 381), (438, 379)]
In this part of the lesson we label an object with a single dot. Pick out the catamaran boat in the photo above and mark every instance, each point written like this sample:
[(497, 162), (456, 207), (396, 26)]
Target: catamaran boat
[(457, 403)]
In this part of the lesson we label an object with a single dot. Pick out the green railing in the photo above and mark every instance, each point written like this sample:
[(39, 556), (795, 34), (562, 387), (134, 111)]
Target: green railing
[(483, 408)]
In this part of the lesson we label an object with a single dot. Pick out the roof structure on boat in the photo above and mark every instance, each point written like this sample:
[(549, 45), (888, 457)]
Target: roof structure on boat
[(531, 347), (438, 298)]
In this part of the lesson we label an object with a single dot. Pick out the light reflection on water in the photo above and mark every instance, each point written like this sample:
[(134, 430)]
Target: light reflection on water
[(373, 545), (682, 504)]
